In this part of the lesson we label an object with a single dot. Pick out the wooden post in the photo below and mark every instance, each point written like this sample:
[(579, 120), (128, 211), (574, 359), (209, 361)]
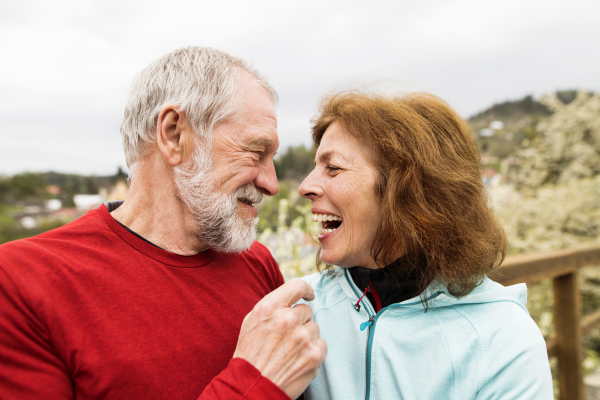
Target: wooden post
[(567, 312)]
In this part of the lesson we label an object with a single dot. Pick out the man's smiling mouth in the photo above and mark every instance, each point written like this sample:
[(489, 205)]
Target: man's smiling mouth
[(246, 201)]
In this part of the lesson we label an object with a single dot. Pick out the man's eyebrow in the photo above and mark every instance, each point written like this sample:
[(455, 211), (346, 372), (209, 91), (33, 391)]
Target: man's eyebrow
[(261, 141)]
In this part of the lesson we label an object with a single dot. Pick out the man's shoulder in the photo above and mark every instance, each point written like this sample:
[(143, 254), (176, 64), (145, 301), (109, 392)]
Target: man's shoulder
[(258, 253), (86, 227), (48, 253), (256, 260)]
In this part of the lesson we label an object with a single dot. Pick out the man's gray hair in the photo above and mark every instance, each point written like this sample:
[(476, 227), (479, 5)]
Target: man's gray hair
[(204, 82)]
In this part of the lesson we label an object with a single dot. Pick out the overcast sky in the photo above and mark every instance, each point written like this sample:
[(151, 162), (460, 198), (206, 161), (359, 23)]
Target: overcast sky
[(66, 66)]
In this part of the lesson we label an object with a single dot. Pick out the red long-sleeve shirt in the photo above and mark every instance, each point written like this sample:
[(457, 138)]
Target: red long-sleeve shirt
[(91, 311)]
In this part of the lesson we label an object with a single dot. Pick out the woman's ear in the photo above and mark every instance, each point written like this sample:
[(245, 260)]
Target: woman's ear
[(173, 135)]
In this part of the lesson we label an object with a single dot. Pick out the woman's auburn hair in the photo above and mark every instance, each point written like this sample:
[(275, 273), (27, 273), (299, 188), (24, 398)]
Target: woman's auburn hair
[(433, 201)]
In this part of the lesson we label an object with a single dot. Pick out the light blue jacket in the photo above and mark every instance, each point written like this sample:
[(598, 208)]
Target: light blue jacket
[(482, 346)]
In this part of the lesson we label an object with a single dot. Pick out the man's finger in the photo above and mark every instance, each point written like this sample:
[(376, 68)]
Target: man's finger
[(313, 329), (303, 313), (290, 292), (323, 345)]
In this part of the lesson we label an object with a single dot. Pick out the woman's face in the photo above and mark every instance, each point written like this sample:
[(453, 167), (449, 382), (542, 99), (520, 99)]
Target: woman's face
[(341, 189)]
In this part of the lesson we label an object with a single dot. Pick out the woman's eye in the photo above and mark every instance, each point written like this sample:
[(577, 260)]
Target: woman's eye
[(333, 168)]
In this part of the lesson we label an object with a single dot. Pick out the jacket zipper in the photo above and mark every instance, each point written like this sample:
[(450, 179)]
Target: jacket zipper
[(370, 324), (367, 324)]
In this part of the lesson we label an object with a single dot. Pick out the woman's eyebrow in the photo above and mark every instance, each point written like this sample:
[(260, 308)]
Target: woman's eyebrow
[(327, 155)]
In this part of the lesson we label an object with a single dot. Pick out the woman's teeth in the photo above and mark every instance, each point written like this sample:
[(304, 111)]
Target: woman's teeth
[(325, 217), (327, 228)]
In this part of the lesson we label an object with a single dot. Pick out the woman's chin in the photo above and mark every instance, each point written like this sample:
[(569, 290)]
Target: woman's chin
[(328, 257)]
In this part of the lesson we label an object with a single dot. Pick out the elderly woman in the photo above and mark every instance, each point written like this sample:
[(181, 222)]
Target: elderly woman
[(408, 312)]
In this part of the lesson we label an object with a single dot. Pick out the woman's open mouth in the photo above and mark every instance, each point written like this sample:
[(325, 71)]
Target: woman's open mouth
[(329, 222)]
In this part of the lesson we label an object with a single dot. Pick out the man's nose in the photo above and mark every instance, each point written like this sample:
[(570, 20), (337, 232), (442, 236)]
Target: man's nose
[(266, 180)]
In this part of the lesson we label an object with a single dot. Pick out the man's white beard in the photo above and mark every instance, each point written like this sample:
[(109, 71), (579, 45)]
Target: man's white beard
[(219, 223)]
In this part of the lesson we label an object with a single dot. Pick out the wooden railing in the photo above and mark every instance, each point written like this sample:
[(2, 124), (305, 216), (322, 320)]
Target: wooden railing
[(562, 267)]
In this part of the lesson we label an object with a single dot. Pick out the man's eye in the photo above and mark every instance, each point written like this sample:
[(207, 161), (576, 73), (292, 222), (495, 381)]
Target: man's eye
[(333, 168)]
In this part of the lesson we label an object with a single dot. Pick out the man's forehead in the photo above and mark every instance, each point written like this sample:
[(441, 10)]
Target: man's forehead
[(256, 96)]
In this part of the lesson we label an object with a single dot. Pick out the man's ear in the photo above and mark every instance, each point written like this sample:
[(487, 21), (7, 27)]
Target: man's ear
[(173, 135)]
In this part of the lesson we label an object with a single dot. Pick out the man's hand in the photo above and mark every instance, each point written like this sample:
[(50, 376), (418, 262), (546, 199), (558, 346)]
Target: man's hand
[(282, 342)]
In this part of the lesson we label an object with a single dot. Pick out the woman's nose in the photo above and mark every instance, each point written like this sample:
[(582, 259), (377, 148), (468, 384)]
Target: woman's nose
[(309, 188)]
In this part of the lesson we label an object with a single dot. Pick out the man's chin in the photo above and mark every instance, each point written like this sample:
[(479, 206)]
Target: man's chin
[(238, 238)]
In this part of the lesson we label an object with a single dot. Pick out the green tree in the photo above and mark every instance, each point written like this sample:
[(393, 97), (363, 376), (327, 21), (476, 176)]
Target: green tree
[(5, 189), (120, 176), (28, 185), (268, 209), (296, 163)]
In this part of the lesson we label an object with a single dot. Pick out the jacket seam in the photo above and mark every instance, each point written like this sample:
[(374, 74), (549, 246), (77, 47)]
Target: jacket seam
[(482, 347), (455, 370), (327, 308), (333, 284)]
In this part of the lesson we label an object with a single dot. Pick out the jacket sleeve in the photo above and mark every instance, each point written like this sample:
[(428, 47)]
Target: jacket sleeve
[(240, 380), (29, 367), (517, 364)]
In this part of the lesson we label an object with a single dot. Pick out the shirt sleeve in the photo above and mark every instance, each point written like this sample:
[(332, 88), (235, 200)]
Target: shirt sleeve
[(29, 368), (240, 380)]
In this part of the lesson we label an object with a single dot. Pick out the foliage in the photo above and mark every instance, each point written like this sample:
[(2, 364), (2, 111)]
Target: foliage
[(294, 245), (553, 217), (27, 185), (567, 147), (13, 231), (26, 188), (516, 108), (269, 209), (521, 124), (295, 163), (78, 184), (5, 190)]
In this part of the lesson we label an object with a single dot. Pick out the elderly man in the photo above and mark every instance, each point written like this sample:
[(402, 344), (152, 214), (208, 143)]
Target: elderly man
[(145, 299)]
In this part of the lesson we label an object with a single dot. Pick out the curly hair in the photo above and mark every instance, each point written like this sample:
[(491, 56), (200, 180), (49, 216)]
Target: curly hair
[(433, 201)]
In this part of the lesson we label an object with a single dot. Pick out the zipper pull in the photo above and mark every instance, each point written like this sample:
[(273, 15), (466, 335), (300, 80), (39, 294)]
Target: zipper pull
[(368, 323), (357, 305)]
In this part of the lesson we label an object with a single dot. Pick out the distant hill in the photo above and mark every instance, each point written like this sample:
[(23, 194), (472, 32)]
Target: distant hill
[(512, 109), (505, 127), (82, 183)]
